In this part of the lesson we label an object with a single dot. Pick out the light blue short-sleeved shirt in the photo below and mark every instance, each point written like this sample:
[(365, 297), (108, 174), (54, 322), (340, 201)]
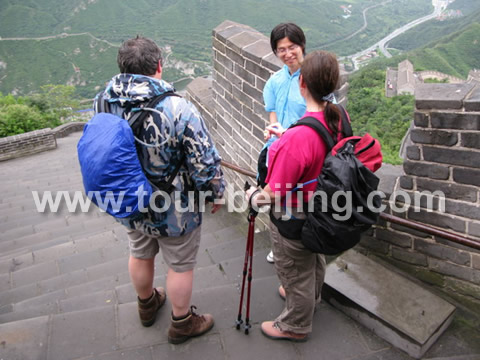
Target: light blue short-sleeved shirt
[(281, 95)]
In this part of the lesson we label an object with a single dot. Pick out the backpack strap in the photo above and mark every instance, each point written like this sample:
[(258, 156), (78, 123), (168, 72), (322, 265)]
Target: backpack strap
[(136, 121), (100, 104), (322, 131)]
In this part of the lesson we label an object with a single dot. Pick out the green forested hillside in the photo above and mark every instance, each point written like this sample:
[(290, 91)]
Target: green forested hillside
[(430, 31), (384, 118), (389, 118), (183, 25), (455, 54)]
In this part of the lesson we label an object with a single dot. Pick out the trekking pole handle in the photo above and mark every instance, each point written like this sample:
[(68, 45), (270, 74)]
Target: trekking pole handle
[(252, 211)]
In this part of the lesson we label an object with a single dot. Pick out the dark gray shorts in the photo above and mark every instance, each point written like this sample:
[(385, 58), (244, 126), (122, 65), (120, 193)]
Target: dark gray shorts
[(179, 252)]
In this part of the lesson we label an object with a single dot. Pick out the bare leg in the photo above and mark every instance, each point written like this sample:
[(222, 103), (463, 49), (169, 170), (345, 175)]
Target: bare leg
[(179, 290), (141, 273)]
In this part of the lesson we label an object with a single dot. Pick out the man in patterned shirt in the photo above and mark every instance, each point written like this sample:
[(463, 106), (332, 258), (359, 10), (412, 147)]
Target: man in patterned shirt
[(174, 135)]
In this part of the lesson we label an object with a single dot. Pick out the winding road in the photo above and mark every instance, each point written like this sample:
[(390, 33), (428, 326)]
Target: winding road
[(383, 42)]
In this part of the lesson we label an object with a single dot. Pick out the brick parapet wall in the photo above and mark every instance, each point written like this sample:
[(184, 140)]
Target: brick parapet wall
[(444, 156), (68, 128), (33, 142), (27, 144)]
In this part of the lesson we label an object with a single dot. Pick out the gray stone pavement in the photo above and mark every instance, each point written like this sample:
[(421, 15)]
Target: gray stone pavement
[(65, 291)]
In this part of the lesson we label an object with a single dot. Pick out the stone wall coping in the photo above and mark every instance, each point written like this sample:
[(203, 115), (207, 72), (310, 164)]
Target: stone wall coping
[(25, 136), (442, 96), (248, 42), (68, 128), (201, 90)]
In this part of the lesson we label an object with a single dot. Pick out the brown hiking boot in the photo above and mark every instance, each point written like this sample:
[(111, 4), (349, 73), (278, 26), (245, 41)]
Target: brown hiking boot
[(148, 310), (193, 325)]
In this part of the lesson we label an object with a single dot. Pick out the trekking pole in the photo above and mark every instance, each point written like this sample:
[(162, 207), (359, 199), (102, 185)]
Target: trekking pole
[(248, 259)]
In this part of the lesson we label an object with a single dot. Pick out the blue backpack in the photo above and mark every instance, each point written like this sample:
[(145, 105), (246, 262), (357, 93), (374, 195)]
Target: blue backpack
[(112, 174)]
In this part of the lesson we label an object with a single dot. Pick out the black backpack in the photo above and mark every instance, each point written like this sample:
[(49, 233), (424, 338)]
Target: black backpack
[(348, 168)]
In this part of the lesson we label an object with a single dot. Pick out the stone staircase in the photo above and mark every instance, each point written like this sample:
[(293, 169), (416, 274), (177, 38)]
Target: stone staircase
[(65, 292)]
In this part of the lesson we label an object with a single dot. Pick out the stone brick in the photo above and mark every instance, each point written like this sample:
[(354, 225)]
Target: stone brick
[(409, 230), (224, 124), (452, 191), (224, 25), (476, 261), (219, 46), (413, 152), (441, 220), (435, 137), (441, 96), (224, 83), (467, 176), (271, 62), (228, 32), (224, 104), (463, 209), (455, 120), (233, 100), (258, 50), (422, 169), (446, 268), (257, 133), (254, 119), (443, 252), (472, 103), (222, 59), (231, 121), (260, 84), (420, 119), (223, 134), (406, 182), (219, 67), (456, 245), (373, 244), (254, 93), (219, 110), (410, 257), (451, 156), (242, 98), (470, 140), (217, 88), (235, 80), (474, 229), (395, 238), (236, 57), (259, 109), (243, 39), (258, 70), (244, 74)]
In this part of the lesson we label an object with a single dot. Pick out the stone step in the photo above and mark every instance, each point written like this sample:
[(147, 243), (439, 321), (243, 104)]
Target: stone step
[(29, 303), (45, 239), (64, 265), (64, 281), (116, 326), (398, 310), (58, 251)]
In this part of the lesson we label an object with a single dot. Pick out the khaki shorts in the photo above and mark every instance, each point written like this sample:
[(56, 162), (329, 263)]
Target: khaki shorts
[(179, 252)]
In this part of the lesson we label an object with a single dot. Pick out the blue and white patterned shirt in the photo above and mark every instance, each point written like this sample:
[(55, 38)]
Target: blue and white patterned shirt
[(175, 133)]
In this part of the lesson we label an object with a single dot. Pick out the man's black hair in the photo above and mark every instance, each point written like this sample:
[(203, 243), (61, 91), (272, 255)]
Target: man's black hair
[(139, 56), (287, 30)]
